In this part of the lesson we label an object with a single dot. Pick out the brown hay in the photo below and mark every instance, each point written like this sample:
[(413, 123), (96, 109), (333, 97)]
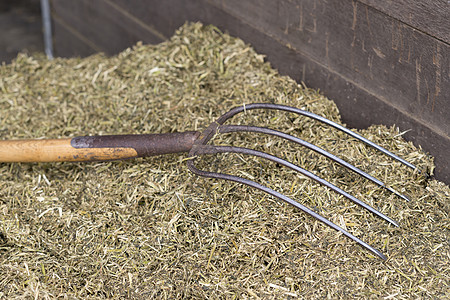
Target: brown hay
[(149, 228)]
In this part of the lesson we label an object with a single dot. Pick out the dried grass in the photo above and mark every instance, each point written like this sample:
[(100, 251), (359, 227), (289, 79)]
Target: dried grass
[(148, 228)]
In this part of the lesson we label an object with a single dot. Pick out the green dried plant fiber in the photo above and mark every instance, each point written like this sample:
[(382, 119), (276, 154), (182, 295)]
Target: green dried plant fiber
[(148, 228)]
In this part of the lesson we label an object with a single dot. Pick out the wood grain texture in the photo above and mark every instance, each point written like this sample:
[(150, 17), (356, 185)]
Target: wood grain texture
[(100, 25), (55, 150), (69, 42), (430, 17)]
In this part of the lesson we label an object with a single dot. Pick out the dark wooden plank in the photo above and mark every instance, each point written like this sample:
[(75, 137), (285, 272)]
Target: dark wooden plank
[(104, 24), (167, 15), (20, 30), (68, 42), (403, 67), (431, 17)]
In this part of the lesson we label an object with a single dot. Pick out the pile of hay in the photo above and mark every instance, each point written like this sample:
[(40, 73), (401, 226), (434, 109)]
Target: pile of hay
[(149, 228)]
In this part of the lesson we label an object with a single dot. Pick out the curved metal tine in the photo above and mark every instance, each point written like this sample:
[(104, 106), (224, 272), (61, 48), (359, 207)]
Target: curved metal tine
[(264, 130), (295, 110), (211, 149), (202, 150)]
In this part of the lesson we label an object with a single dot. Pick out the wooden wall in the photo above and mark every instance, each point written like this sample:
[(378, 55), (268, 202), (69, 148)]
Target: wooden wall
[(382, 61)]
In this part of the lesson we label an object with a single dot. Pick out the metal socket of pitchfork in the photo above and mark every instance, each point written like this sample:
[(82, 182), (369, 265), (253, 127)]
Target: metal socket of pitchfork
[(114, 147)]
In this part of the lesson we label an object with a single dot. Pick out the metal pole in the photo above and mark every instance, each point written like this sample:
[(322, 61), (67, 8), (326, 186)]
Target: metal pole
[(47, 26)]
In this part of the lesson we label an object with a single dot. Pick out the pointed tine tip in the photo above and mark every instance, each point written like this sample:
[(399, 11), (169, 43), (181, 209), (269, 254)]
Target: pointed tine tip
[(380, 255), (398, 194), (394, 223), (371, 249), (405, 198), (386, 218)]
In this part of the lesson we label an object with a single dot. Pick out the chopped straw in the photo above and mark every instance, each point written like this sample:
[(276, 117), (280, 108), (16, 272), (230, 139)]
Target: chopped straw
[(149, 228)]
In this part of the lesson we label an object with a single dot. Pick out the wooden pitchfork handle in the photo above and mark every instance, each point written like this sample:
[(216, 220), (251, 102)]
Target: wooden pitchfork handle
[(96, 148)]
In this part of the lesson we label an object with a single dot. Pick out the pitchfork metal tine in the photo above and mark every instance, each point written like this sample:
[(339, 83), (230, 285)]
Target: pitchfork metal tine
[(298, 111), (264, 130), (209, 149), (200, 147)]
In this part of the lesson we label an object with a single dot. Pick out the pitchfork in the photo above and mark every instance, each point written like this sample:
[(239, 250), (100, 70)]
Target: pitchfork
[(113, 147)]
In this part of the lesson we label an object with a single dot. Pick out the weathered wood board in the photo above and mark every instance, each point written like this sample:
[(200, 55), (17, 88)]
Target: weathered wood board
[(382, 62)]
